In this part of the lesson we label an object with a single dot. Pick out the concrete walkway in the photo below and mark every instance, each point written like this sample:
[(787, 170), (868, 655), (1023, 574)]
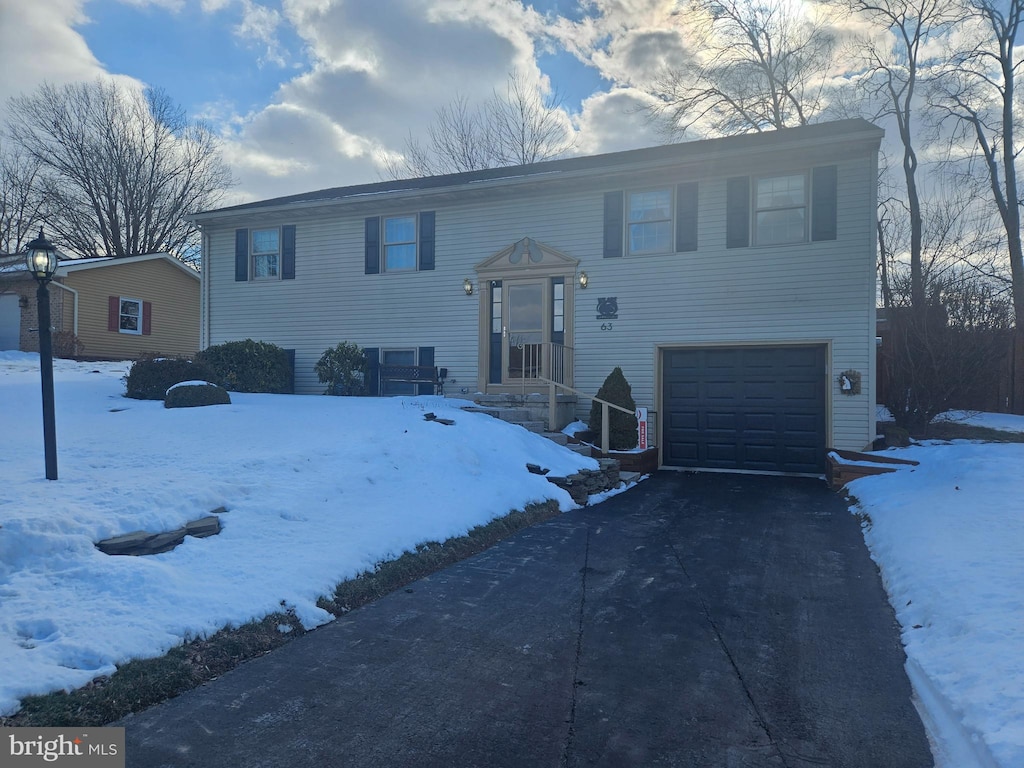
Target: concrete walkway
[(697, 620)]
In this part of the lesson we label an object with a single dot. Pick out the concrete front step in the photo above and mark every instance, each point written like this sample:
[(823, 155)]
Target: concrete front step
[(557, 437)]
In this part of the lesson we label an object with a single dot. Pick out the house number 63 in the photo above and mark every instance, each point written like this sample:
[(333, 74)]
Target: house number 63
[(606, 326)]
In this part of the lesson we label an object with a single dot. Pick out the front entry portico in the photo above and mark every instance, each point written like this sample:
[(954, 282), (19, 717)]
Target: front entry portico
[(526, 303)]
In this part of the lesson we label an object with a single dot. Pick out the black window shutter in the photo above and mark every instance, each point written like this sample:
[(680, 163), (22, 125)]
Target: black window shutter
[(737, 212), (823, 203), (288, 252), (427, 240), (241, 255), (426, 357), (686, 217), (613, 224), (372, 370), (373, 245), (291, 368)]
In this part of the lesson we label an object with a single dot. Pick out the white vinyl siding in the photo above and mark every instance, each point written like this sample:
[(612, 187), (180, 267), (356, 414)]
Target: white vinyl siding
[(808, 292)]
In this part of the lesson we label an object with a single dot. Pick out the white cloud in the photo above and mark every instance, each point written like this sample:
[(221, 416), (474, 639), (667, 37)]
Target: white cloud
[(615, 121), (38, 42), (170, 5), (259, 27)]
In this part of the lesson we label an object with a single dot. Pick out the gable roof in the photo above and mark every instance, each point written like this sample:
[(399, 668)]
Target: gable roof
[(655, 157), (78, 265)]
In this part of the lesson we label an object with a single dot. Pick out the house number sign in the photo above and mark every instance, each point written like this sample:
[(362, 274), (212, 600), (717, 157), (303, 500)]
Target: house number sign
[(607, 309)]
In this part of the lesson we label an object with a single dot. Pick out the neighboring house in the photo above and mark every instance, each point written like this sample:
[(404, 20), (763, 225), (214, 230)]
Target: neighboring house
[(733, 280), (105, 308)]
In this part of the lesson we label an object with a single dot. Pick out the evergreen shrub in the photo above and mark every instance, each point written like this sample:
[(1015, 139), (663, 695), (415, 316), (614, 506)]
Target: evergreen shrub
[(151, 376), (192, 395), (343, 369), (621, 426), (249, 366)]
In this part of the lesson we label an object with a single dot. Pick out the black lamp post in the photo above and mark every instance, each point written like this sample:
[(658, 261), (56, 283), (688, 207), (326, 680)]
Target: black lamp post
[(41, 259)]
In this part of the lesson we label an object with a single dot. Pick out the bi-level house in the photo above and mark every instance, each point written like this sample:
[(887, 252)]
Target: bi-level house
[(732, 280)]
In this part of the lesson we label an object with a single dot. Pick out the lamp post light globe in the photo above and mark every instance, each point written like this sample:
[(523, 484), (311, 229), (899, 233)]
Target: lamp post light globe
[(41, 259)]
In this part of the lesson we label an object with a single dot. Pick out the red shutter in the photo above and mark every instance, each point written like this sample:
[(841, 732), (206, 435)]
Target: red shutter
[(147, 318), (113, 313)]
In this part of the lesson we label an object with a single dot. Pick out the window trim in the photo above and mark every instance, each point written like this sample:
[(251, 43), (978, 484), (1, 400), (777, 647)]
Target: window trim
[(141, 305), (279, 253), (755, 210), (629, 222), (384, 244)]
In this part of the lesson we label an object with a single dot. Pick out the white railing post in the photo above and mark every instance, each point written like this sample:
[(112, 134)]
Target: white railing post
[(604, 428)]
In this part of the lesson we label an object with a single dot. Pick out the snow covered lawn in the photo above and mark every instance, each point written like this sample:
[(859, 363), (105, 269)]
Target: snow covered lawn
[(318, 490), (948, 536)]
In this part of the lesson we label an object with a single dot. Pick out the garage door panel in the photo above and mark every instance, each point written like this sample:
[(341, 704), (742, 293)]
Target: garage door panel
[(683, 420), (721, 390), (681, 454), (721, 421), (723, 455), (801, 424), (759, 422), (683, 390), (756, 408), (761, 390)]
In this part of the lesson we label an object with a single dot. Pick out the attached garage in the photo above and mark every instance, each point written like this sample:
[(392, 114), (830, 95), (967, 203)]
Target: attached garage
[(757, 408)]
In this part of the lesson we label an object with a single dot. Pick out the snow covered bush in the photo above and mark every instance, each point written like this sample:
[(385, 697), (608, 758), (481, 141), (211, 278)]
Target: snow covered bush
[(190, 394), (150, 377)]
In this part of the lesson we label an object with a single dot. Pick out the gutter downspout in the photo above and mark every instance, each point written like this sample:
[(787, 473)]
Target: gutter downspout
[(204, 290), (74, 293)]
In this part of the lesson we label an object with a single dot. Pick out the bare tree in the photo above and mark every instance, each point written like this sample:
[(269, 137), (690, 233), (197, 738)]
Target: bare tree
[(119, 169), (515, 128), (976, 94), (753, 66), (892, 57), (21, 202)]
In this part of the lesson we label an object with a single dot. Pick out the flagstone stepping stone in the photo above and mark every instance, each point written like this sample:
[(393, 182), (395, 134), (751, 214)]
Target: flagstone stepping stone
[(146, 543)]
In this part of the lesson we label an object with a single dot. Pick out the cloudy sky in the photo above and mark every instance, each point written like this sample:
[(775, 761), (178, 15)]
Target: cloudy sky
[(309, 93)]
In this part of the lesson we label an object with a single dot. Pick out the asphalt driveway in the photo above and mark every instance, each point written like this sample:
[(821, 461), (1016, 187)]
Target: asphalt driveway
[(697, 620)]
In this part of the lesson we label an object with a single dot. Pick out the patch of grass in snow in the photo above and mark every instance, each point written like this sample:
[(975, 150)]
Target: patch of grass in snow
[(951, 430), (139, 684)]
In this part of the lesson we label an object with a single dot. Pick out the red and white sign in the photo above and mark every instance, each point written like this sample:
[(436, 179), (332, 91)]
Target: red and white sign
[(641, 428)]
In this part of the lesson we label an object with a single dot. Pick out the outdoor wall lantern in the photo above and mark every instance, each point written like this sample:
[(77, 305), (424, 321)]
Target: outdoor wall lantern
[(41, 259), (467, 286), (584, 280)]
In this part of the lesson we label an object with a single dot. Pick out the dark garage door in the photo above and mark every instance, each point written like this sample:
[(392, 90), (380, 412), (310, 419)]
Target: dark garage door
[(755, 408)]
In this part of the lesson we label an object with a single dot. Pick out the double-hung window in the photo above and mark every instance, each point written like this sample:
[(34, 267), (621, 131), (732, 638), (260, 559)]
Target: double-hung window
[(649, 221), (780, 214), (129, 318), (399, 243), (266, 254)]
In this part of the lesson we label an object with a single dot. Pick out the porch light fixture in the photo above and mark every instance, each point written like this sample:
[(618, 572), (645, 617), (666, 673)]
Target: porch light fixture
[(584, 280), (41, 260), (467, 286)]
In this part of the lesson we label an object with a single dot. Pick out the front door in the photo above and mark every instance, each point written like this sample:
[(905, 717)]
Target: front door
[(524, 330), (525, 312)]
